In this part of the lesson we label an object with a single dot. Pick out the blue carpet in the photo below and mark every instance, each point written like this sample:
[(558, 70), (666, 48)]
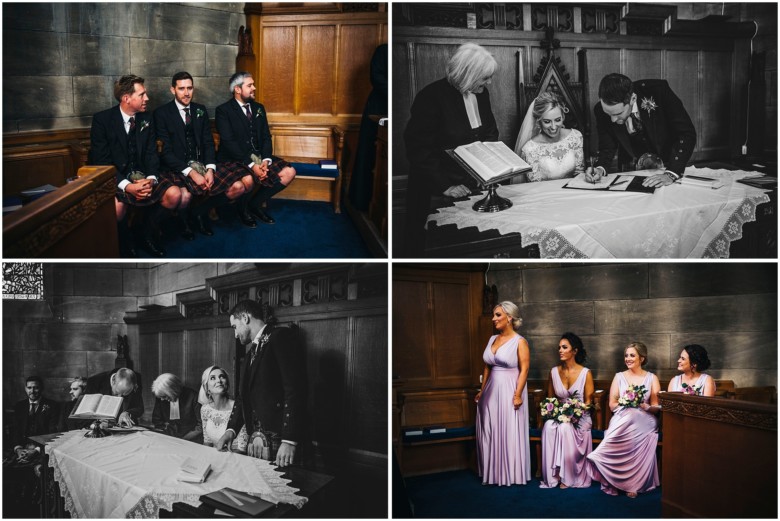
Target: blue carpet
[(303, 229), (460, 494)]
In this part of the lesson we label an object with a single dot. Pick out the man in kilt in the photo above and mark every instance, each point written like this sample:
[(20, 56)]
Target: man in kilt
[(245, 143), (273, 387), (189, 159), (124, 136)]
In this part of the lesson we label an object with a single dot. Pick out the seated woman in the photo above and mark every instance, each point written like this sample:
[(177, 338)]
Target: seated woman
[(176, 408), (552, 150), (450, 112), (626, 458), (217, 407), (564, 445), (693, 360)]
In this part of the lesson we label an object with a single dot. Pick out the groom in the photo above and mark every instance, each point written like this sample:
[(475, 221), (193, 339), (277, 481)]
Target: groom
[(641, 117)]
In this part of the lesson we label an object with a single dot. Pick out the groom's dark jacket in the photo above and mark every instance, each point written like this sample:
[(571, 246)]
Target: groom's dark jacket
[(669, 130)]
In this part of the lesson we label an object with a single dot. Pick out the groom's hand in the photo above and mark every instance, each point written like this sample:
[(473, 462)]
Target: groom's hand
[(457, 191), (594, 175), (658, 180)]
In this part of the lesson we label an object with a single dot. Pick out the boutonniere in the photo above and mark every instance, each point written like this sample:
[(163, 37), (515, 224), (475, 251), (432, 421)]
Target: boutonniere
[(44, 408), (199, 113), (649, 104), (264, 339), (259, 112), (144, 125)]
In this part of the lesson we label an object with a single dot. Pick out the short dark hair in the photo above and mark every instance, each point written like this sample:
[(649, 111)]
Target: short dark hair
[(576, 343), (615, 88), (697, 356), (126, 85), (182, 75), (248, 307), (34, 379)]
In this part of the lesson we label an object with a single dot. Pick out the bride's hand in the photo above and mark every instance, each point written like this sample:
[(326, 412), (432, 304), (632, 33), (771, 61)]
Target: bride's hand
[(594, 175), (457, 191)]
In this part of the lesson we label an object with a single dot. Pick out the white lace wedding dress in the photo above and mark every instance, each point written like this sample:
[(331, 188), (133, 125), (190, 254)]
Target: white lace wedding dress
[(554, 160)]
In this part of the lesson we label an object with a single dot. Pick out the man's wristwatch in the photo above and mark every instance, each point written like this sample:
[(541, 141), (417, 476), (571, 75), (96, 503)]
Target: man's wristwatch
[(671, 174)]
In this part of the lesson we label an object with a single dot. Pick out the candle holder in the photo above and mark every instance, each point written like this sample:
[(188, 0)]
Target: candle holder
[(492, 202)]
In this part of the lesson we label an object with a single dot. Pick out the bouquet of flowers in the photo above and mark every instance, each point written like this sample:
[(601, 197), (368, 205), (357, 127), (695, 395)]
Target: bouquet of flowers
[(570, 411), (633, 396), (550, 409), (695, 390)]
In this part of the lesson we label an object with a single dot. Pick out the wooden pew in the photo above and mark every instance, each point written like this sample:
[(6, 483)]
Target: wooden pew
[(449, 408), (30, 165), (78, 220), (724, 458)]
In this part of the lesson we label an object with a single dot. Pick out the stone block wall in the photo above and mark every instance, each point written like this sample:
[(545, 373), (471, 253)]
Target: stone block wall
[(73, 331), (60, 60), (730, 309)]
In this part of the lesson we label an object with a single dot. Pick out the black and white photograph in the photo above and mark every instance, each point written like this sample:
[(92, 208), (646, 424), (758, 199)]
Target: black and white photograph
[(193, 390), (582, 130), (579, 390)]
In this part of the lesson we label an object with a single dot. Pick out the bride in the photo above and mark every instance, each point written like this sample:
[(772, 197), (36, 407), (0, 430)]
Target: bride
[(552, 150)]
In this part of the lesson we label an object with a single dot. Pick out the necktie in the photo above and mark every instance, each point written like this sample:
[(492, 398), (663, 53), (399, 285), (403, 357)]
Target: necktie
[(253, 353), (187, 118), (248, 113), (132, 124), (33, 407)]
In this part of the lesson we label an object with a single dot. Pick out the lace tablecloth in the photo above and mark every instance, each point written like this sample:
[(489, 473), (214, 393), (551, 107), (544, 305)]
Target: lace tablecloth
[(134, 475), (675, 222)]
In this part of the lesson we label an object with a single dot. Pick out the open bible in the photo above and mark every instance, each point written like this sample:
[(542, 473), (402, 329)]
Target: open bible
[(489, 162), (97, 406)]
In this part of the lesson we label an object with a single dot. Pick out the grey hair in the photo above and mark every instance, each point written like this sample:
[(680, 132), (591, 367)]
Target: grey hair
[(168, 385), (469, 65), (127, 375), (237, 79), (511, 309)]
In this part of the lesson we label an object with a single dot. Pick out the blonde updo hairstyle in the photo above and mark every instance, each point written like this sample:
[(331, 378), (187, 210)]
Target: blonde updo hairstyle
[(547, 101), (512, 311), (641, 350)]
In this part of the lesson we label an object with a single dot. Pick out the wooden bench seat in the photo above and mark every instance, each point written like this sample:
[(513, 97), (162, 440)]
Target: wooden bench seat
[(451, 409), (78, 220)]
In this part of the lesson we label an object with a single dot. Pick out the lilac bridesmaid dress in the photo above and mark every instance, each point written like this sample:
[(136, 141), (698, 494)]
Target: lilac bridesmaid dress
[(625, 460), (564, 446), (503, 450), (677, 382)]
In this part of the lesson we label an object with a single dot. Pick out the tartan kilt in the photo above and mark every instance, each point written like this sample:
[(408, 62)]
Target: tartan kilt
[(163, 184), (272, 179), (223, 179)]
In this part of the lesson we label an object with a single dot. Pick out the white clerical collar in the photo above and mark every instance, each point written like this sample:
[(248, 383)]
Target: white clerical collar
[(472, 109)]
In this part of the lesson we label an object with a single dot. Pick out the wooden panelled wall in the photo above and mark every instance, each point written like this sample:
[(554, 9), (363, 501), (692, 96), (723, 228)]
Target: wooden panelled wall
[(731, 309), (436, 326), (312, 62), (342, 312), (708, 73)]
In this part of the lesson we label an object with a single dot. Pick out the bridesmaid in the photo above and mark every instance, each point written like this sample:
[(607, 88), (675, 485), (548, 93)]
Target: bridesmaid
[(693, 360), (564, 446), (625, 460), (503, 450)]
